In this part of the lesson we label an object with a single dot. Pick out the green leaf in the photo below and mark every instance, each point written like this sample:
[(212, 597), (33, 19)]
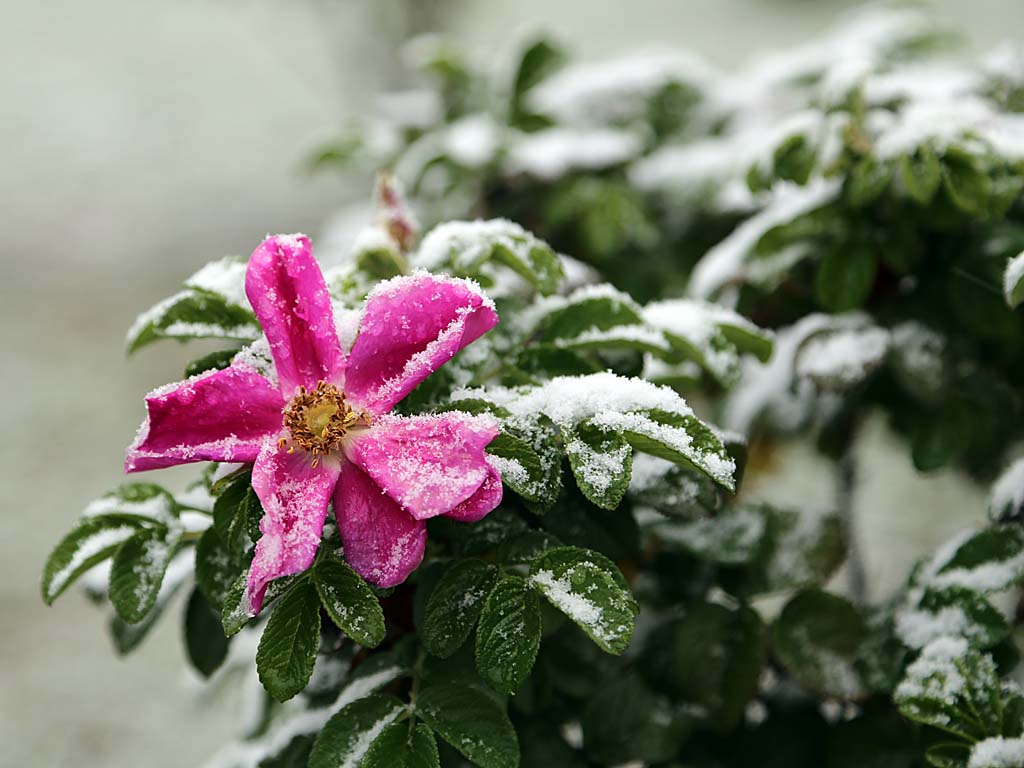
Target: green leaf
[(845, 277), (800, 547), (455, 604), (522, 469), (215, 361), (472, 722), (817, 638), (591, 591), (867, 180), (211, 305), (990, 560), (234, 610), (712, 656), (948, 755), (135, 502), (397, 747), (625, 721), (539, 60), (953, 688), (204, 637), (589, 316), (508, 634), (127, 637), (921, 174), (942, 437), (734, 537), (288, 646), (90, 543), (349, 601), (601, 462), (350, 734), (967, 185), (1013, 281), (473, 249), (950, 611), (236, 514), (216, 568), (138, 570)]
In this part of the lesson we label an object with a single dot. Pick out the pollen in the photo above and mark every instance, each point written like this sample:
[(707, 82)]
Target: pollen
[(319, 419)]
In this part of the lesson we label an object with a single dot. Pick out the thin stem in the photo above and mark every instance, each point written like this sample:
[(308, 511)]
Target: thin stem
[(846, 485)]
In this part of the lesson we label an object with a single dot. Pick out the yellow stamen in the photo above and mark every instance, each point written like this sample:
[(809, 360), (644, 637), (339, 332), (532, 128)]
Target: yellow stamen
[(319, 419)]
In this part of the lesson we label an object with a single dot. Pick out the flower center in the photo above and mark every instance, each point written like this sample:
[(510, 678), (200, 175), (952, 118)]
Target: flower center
[(318, 419)]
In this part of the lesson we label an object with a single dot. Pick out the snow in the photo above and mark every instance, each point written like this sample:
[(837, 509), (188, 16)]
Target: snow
[(988, 576), (473, 140), (918, 627), (88, 547), (463, 244), (574, 605), (1008, 490), (251, 753), (843, 358), (554, 152), (596, 468), (609, 402), (156, 507), (1012, 276), (374, 238), (225, 277), (616, 89), (725, 262), (997, 752), (934, 675)]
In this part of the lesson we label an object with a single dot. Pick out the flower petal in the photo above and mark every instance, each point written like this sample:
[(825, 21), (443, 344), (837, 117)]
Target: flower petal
[(288, 294), (484, 501), (218, 416), (412, 326), (428, 464), (294, 495), (382, 542)]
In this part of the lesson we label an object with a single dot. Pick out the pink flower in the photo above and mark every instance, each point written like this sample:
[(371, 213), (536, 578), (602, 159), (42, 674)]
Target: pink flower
[(324, 431)]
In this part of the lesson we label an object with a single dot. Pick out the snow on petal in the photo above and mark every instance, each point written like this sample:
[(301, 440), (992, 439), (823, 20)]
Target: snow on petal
[(428, 464), (288, 294), (382, 542), (295, 495), (412, 326), (216, 416)]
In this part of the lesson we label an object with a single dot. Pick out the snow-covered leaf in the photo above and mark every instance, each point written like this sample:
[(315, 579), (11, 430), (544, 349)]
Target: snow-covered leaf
[(475, 248), (997, 752), (350, 734), (842, 358), (137, 571), (949, 612), (954, 688), (508, 634), (652, 419), (1013, 281), (91, 542), (734, 537), (523, 470), (211, 305), (989, 560), (601, 462), (454, 605), (591, 591)]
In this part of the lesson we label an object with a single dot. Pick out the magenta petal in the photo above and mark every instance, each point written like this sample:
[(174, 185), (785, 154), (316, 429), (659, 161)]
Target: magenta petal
[(290, 299), (412, 326), (428, 464), (382, 542), (295, 496), (477, 506), (218, 416)]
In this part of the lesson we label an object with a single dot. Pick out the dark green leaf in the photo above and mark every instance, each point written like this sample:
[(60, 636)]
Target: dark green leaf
[(455, 605), (397, 747), (817, 638), (288, 646), (138, 570), (90, 543), (349, 601), (214, 361), (508, 634), (471, 722), (601, 462), (350, 734), (204, 637), (845, 277), (921, 174), (591, 591)]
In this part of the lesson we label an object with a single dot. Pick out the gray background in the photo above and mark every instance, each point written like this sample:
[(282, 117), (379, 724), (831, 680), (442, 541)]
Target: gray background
[(140, 140)]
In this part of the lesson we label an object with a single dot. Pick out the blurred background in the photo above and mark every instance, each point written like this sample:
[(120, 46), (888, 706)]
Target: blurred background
[(139, 140)]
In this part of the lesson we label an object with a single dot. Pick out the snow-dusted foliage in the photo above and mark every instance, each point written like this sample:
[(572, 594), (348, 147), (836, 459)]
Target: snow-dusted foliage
[(475, 486)]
